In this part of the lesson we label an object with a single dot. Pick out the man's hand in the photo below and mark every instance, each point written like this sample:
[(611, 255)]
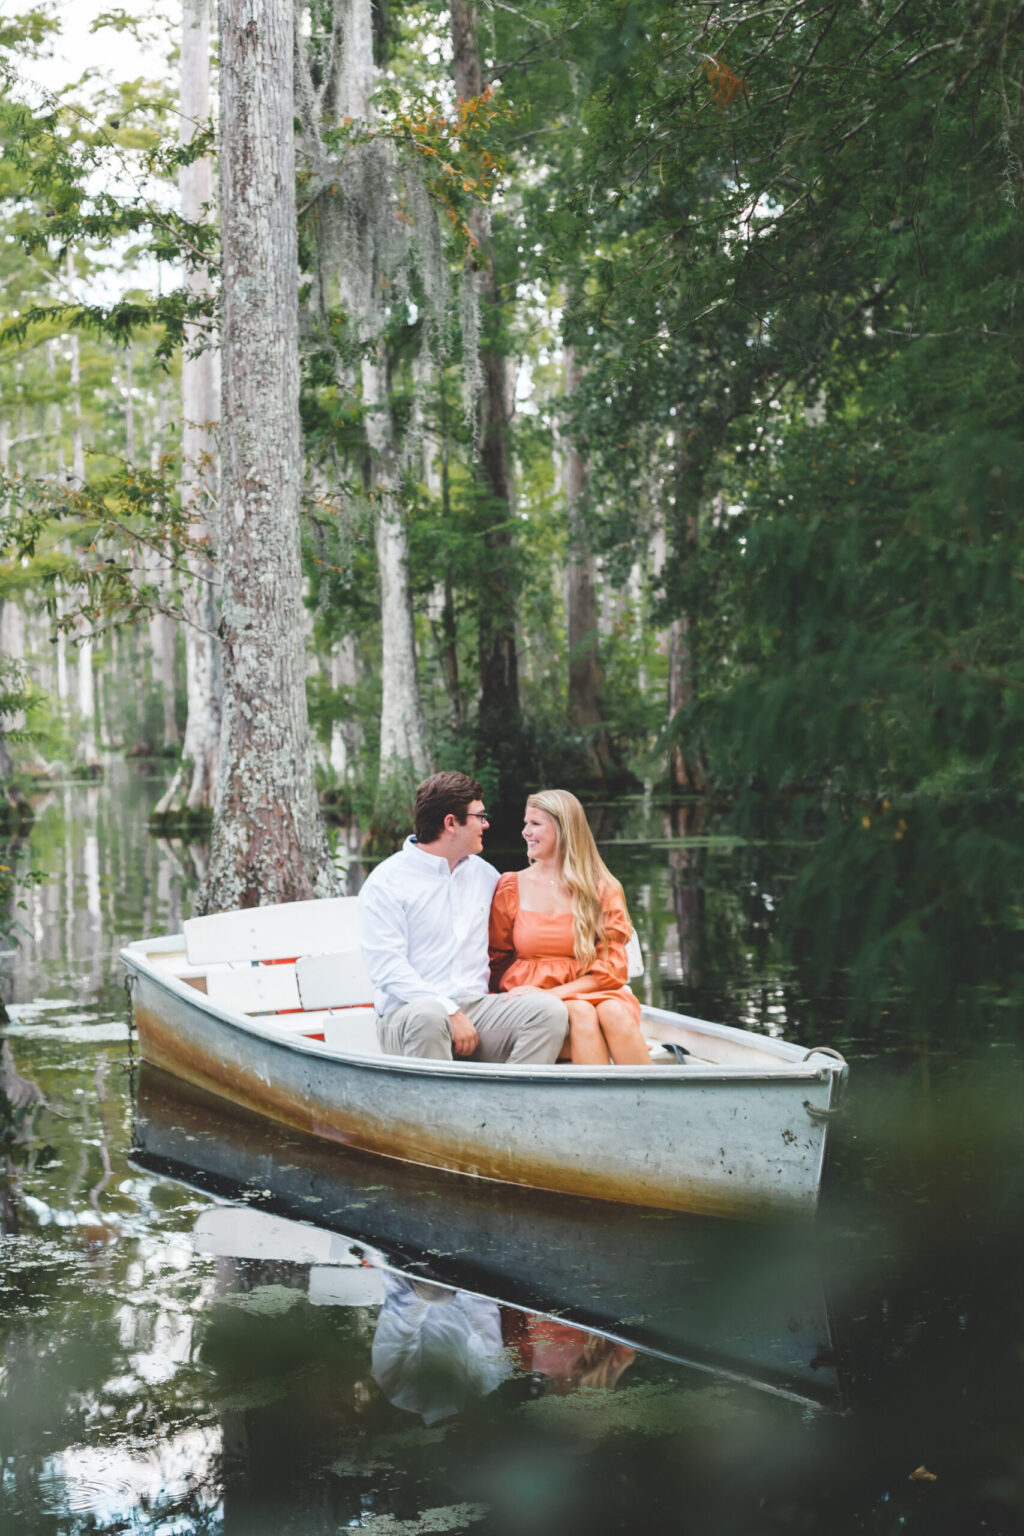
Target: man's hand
[(464, 1036)]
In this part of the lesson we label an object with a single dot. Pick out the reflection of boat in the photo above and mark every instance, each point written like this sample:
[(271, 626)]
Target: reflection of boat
[(739, 1128), (341, 1273), (742, 1300)]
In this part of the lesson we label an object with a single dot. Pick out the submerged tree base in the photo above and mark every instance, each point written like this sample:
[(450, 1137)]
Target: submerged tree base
[(180, 821), (16, 813)]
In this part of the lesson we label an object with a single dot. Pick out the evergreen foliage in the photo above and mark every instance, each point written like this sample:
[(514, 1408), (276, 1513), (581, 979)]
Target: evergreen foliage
[(808, 252), (784, 244)]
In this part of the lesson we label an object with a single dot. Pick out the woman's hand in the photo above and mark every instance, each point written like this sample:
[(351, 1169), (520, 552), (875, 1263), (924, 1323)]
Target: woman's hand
[(519, 991)]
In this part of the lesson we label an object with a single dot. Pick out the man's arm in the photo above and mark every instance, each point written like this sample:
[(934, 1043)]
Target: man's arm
[(464, 1036), (384, 940)]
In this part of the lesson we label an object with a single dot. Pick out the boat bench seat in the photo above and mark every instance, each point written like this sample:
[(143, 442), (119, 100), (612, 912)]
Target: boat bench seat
[(344, 1029), (310, 983), (274, 933)]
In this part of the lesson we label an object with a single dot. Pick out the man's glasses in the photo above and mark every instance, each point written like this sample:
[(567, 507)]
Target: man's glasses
[(480, 816)]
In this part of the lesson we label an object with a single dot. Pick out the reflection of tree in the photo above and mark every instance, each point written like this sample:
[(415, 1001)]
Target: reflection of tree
[(291, 1386), (18, 1099), (104, 1138), (188, 858), (10, 923), (686, 870)]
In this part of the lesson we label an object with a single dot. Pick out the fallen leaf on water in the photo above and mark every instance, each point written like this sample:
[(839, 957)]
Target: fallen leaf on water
[(922, 1475)]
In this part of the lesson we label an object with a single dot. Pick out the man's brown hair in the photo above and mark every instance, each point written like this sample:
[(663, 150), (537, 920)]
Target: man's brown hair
[(443, 794)]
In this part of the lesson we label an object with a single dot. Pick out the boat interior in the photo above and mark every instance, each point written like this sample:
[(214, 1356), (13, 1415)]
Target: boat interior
[(298, 969)]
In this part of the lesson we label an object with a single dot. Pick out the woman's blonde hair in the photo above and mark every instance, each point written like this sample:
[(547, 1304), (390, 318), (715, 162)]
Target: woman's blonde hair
[(580, 866)]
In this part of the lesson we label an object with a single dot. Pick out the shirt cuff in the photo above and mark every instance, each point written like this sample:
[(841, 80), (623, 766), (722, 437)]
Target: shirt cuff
[(450, 1005)]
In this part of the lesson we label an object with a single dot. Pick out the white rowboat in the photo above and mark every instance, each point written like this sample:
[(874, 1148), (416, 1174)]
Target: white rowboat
[(270, 1008)]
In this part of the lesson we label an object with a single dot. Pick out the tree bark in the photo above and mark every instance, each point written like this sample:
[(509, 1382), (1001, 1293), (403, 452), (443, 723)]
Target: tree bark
[(345, 92), (687, 773), (403, 750), (192, 788), (86, 754), (500, 717), (347, 733), (586, 712), (268, 842)]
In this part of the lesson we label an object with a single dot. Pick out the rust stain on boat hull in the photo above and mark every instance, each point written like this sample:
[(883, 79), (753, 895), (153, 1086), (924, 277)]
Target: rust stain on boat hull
[(446, 1124)]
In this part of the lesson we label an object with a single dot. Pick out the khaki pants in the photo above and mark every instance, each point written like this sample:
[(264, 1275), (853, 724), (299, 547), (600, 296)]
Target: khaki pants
[(531, 1028)]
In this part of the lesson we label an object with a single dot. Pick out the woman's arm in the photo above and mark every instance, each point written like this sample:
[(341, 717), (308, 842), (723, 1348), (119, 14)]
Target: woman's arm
[(501, 944), (591, 982), (610, 966)]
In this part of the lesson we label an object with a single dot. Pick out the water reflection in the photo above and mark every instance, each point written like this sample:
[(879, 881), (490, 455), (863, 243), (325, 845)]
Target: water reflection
[(742, 1301), (159, 1375), (435, 1349), (105, 879)]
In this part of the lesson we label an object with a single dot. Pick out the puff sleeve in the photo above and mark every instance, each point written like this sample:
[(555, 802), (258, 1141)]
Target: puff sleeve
[(610, 967), (501, 944)]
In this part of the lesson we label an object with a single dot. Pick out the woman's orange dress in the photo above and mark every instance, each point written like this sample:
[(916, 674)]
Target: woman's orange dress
[(535, 949)]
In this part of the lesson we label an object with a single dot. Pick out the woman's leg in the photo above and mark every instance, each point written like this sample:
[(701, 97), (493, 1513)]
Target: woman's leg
[(622, 1034), (585, 1038)]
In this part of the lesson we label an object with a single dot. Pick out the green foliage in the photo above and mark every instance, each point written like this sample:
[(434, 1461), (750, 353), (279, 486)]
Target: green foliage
[(785, 245), (793, 245), (137, 511), (75, 177)]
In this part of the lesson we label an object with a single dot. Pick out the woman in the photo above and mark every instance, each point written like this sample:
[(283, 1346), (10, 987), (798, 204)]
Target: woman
[(561, 926)]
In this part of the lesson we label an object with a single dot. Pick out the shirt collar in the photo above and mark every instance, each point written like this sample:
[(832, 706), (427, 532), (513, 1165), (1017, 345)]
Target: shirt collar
[(430, 863), (410, 847)]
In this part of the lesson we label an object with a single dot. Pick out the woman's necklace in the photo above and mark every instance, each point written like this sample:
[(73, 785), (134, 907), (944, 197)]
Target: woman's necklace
[(542, 874)]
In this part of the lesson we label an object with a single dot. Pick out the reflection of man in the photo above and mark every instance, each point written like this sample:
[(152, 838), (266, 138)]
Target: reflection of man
[(436, 1349), (423, 917)]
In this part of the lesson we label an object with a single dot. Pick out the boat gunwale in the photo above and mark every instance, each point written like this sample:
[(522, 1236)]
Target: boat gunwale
[(797, 1064)]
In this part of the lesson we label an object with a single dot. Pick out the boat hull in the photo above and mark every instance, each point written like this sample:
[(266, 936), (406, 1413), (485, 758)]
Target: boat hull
[(737, 1145), (743, 1300)]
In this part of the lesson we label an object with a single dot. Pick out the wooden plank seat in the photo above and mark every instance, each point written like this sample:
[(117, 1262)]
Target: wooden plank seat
[(328, 996), (345, 1029), (255, 989), (312, 982), (274, 933)]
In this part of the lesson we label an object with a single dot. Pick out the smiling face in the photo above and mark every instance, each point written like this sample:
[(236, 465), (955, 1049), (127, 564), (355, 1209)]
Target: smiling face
[(540, 833), (468, 838)]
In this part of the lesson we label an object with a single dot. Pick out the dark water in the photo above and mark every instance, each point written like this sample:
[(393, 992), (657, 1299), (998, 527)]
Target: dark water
[(210, 1324)]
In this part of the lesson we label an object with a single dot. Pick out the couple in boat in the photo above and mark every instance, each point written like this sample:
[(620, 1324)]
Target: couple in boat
[(524, 967)]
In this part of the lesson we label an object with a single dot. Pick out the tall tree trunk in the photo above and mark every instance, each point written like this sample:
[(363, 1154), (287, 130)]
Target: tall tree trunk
[(500, 718), (6, 765), (128, 385), (448, 645), (192, 787), (268, 841), (687, 773), (77, 436), (585, 707), (403, 737), (345, 93), (86, 753), (347, 733), (12, 647), (163, 631)]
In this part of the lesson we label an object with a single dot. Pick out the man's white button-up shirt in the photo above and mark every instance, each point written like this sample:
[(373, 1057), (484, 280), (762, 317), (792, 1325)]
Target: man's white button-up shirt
[(423, 928)]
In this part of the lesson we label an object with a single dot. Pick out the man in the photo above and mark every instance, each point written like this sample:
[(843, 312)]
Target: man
[(423, 929)]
